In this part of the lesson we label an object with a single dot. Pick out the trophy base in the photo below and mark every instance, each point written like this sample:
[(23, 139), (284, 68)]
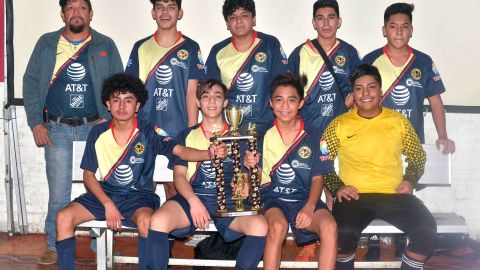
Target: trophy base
[(233, 213)]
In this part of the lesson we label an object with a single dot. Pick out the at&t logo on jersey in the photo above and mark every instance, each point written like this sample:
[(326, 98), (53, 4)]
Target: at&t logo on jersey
[(208, 170), (245, 82), (400, 95), (163, 74), (326, 81), (76, 72), (123, 174), (285, 174)]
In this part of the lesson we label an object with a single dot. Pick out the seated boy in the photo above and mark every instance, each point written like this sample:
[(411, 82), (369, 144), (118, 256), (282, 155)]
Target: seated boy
[(124, 151), (196, 201), (369, 142), (294, 159)]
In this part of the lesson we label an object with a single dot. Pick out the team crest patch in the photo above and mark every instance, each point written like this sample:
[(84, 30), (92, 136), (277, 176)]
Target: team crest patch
[(182, 54), (261, 57), (139, 148), (304, 152), (416, 74), (340, 60), (324, 146)]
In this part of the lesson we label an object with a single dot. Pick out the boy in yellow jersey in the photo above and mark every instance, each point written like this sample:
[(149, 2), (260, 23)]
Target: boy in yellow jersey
[(369, 142), (196, 201), (124, 151)]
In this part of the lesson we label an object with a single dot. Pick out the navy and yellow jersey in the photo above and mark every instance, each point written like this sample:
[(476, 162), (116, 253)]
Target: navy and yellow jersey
[(201, 175), (166, 72), (71, 92), (248, 75), (370, 150), (406, 87), (129, 167), (288, 169), (323, 99)]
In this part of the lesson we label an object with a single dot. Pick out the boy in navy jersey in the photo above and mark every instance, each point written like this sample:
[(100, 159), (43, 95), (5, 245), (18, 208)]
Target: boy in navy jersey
[(294, 159), (196, 202), (246, 63), (124, 151), (171, 65), (409, 76)]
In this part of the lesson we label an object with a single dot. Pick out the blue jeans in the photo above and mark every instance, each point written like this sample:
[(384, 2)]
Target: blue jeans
[(58, 159)]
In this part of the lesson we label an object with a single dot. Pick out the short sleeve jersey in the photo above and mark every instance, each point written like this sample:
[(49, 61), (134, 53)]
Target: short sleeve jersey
[(201, 175), (248, 75), (406, 87), (370, 150), (123, 168), (166, 72), (323, 98), (288, 169)]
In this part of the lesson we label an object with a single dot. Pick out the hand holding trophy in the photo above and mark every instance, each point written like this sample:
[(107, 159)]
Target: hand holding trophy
[(234, 117)]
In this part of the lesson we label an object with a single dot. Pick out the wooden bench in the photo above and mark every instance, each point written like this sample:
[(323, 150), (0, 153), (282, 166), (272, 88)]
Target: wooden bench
[(438, 173)]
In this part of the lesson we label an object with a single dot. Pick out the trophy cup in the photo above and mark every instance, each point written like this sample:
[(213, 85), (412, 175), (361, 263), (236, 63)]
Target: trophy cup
[(234, 117)]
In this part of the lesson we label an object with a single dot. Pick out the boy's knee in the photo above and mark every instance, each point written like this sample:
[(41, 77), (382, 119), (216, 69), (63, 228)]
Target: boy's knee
[(143, 225), (328, 228), (277, 229)]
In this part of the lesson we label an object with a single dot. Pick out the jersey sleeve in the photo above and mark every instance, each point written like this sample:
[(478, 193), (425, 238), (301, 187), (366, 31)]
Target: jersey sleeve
[(279, 58), (211, 66), (332, 181), (322, 163), (294, 61), (414, 153), (89, 159), (197, 66), (132, 67), (174, 160), (434, 85)]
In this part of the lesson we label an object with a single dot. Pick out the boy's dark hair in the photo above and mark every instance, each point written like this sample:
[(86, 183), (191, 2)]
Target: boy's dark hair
[(364, 70), (289, 79), (229, 6), (179, 2), (402, 8), (207, 85), (123, 83), (326, 3), (63, 4)]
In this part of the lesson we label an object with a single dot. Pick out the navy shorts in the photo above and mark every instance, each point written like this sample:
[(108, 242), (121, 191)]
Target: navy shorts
[(221, 223), (127, 204), (291, 210)]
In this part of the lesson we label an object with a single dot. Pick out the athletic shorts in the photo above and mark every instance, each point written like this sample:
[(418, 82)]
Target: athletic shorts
[(291, 210), (221, 223), (127, 204)]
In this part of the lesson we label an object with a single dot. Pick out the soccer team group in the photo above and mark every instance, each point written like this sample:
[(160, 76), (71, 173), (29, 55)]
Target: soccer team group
[(319, 104)]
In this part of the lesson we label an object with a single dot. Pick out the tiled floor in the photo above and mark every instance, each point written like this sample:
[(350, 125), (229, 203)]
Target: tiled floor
[(21, 252)]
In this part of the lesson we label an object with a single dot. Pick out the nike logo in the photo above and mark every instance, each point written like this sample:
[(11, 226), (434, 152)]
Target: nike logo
[(351, 136), (59, 53)]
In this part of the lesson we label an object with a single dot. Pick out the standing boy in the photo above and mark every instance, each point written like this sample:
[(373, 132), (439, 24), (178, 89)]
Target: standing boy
[(409, 76), (246, 63), (171, 65)]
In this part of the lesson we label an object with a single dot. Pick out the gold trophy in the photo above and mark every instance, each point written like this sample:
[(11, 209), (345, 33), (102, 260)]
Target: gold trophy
[(234, 117)]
